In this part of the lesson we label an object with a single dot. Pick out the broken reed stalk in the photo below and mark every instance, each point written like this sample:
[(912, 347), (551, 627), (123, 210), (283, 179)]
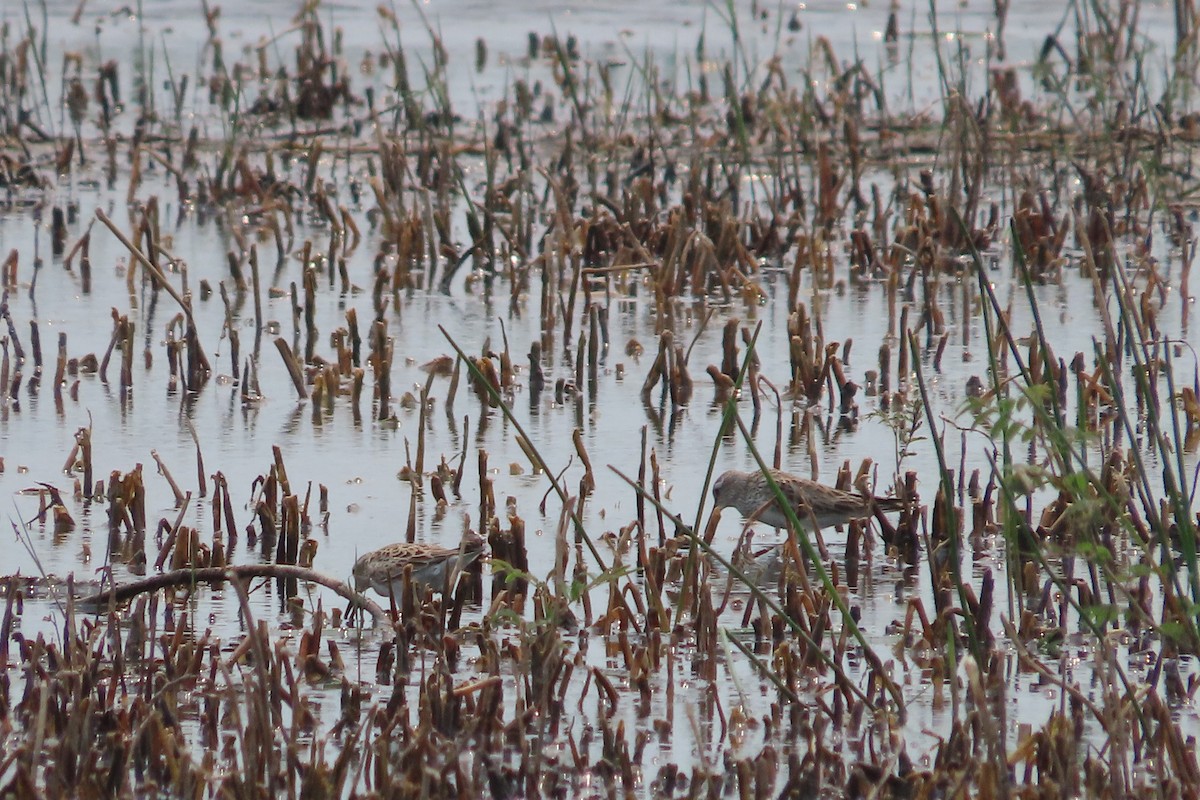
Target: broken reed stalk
[(587, 484), (422, 421), (295, 371), (166, 473), (152, 268), (200, 479), (60, 368), (255, 285)]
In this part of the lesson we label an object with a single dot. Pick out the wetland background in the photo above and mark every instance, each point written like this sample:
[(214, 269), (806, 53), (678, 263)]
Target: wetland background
[(958, 236)]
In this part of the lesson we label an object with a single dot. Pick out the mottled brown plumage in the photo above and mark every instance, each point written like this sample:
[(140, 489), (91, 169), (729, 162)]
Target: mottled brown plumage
[(749, 492), (383, 569)]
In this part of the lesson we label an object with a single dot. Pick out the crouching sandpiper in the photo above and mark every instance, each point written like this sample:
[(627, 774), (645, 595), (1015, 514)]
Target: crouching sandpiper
[(383, 569)]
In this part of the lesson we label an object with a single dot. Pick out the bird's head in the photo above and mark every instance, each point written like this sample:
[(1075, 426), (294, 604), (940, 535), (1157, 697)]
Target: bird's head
[(719, 488)]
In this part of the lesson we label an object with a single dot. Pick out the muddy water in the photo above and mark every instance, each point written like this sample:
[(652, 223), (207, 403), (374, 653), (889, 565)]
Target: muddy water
[(359, 460)]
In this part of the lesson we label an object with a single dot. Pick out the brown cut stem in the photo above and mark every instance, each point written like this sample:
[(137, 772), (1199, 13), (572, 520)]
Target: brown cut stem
[(166, 473), (293, 367)]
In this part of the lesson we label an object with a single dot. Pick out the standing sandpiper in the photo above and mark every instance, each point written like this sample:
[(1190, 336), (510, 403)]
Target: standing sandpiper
[(749, 493)]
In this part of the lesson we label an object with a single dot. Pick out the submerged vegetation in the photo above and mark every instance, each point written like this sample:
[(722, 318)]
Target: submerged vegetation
[(1033, 221)]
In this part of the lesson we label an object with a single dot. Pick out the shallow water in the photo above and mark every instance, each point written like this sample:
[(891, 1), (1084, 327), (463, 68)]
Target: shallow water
[(359, 461)]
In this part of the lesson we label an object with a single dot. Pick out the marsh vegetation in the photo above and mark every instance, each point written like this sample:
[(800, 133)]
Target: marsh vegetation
[(308, 283)]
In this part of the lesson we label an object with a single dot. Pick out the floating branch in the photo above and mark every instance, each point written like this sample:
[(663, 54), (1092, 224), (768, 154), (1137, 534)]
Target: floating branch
[(188, 577)]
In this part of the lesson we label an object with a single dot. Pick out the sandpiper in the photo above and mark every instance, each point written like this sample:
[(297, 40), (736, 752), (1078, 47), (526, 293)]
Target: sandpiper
[(749, 493), (383, 569)]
